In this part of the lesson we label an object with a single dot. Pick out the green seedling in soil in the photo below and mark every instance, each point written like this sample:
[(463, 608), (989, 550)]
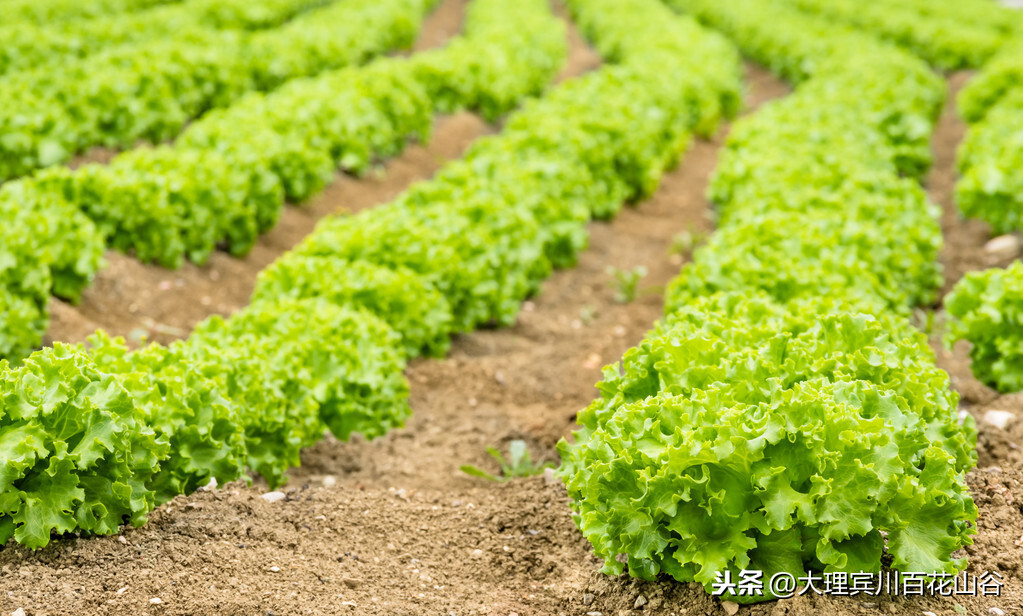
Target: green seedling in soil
[(518, 464), (930, 322), (626, 282), (684, 243), (587, 314)]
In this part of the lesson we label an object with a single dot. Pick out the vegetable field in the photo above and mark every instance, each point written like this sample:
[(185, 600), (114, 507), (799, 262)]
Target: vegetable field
[(303, 304)]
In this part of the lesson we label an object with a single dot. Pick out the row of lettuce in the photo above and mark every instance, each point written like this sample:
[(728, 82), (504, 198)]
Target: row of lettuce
[(49, 11), (955, 34), (948, 34), (990, 186), (27, 45), (784, 416), (987, 310), (150, 88), (220, 185), (95, 436), (987, 306)]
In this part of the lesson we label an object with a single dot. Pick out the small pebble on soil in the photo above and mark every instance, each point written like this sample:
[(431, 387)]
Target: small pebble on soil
[(998, 419)]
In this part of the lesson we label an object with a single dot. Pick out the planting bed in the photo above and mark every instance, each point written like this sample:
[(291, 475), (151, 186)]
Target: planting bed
[(392, 526)]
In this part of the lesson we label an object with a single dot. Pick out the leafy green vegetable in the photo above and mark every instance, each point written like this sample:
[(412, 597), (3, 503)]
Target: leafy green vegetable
[(28, 45), (46, 246), (784, 416), (218, 186), (324, 342), (77, 453), (999, 79), (46, 11), (296, 367), (151, 89), (989, 186), (409, 304), (488, 229), (948, 42), (180, 399), (518, 464), (696, 484), (987, 307)]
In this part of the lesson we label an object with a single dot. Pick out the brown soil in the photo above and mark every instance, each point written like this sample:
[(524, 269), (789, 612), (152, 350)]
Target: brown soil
[(392, 526)]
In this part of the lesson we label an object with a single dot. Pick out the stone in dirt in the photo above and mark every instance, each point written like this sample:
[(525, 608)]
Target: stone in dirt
[(273, 497), (998, 419), (730, 607), (1004, 248)]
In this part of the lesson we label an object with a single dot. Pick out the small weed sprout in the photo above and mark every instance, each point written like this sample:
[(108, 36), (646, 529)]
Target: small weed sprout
[(518, 464), (626, 282)]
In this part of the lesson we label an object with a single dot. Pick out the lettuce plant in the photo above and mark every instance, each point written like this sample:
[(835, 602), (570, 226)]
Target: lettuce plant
[(183, 402), (784, 416), (746, 434), (294, 368), (77, 453), (987, 311)]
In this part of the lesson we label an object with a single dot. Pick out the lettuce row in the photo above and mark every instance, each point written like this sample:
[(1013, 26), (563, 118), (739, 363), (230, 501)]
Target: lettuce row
[(151, 89), (48, 11), (29, 45), (47, 246), (746, 433), (508, 54), (987, 310), (945, 41), (488, 228), (218, 186), (902, 109), (992, 15), (323, 343), (999, 79), (47, 223), (784, 415), (96, 437), (989, 186)]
